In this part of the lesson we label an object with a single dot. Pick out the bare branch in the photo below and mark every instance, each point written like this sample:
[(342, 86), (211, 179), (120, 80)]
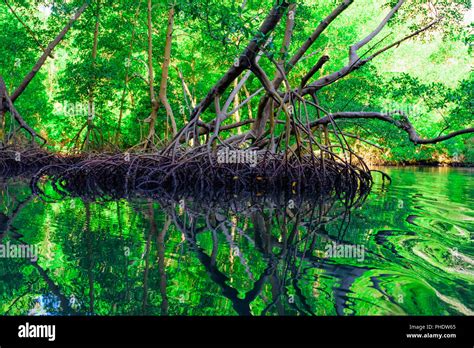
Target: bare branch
[(355, 62), (353, 49), (290, 24), (317, 33), (245, 61), (245, 102), (396, 43), (313, 70), (404, 125), (7, 104)]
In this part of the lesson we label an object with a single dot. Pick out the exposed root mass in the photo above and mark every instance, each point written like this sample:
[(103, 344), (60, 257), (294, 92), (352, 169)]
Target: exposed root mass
[(124, 175)]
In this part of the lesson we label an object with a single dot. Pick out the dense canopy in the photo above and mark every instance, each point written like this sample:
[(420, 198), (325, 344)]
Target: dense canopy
[(130, 74)]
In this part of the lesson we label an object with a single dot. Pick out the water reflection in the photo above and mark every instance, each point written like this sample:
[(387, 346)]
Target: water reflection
[(249, 254)]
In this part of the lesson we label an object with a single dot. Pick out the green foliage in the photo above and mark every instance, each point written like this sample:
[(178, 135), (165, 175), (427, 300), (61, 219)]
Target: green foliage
[(428, 76)]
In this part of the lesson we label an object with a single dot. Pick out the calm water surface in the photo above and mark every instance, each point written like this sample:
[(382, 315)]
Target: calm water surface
[(408, 249)]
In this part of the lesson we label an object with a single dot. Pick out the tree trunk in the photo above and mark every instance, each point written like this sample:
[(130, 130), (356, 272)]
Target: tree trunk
[(127, 77), (163, 98), (236, 104), (151, 131), (91, 110), (165, 71)]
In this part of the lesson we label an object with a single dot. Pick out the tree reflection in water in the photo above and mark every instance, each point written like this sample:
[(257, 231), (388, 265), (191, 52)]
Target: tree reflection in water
[(284, 233)]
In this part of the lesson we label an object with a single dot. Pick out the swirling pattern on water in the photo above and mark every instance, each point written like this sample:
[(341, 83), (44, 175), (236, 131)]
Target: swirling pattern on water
[(419, 238), (406, 251)]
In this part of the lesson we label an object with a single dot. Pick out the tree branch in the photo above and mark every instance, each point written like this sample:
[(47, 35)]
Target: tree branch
[(396, 43), (290, 24), (28, 29), (403, 124), (355, 62), (314, 70), (317, 33), (353, 49), (245, 61), (7, 104), (46, 53)]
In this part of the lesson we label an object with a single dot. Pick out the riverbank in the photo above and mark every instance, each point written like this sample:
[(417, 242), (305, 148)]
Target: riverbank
[(426, 164)]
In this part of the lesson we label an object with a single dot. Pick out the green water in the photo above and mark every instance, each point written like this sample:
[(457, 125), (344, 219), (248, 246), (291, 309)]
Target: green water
[(407, 250)]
